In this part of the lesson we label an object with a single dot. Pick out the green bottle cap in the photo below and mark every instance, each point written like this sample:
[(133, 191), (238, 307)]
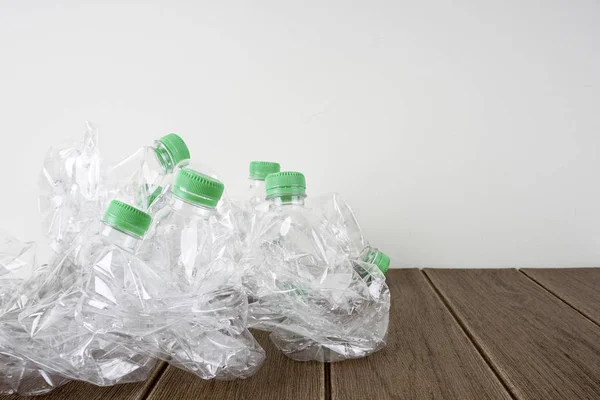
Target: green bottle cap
[(285, 184), (126, 218), (378, 258), (197, 188), (260, 169), (176, 147)]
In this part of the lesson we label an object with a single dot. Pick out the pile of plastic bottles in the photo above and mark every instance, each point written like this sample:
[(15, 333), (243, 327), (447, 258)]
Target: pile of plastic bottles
[(152, 261)]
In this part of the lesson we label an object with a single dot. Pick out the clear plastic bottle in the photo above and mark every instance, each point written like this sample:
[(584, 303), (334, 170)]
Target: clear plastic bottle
[(259, 170), (119, 292), (203, 307), (254, 203), (49, 330), (317, 301), (142, 177)]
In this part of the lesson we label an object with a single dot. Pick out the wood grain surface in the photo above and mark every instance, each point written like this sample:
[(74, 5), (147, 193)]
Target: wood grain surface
[(580, 287), (86, 391), (540, 346), (428, 356), (279, 378)]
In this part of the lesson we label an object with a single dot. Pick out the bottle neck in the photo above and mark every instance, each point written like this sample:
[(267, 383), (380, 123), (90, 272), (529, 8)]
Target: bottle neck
[(286, 200), (117, 236), (256, 182), (257, 187), (186, 207), (165, 159)]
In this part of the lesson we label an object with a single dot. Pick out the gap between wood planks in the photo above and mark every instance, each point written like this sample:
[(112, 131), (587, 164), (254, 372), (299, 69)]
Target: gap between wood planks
[(327, 380), (460, 323), (161, 370), (536, 282)]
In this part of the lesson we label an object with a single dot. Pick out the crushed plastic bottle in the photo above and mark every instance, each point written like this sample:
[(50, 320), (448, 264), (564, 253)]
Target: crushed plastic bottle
[(45, 326), (70, 186), (17, 374), (76, 185), (144, 176), (319, 301), (340, 220), (194, 315)]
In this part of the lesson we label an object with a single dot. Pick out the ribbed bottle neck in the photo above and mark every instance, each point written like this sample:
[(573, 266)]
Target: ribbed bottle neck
[(164, 156), (286, 200), (180, 205), (119, 237)]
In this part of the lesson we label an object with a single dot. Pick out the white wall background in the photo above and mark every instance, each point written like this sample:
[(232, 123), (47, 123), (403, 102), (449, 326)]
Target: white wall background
[(464, 133)]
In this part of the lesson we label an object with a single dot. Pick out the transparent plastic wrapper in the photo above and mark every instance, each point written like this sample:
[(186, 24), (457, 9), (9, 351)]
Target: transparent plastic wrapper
[(76, 185), (193, 313), (18, 374), (319, 302), (44, 326), (17, 263), (70, 189)]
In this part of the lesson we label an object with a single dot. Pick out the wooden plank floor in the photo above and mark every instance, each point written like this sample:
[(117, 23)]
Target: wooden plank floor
[(579, 287), (540, 346), (454, 334), (428, 356)]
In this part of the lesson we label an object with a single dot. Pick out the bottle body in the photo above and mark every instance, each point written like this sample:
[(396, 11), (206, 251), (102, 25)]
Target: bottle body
[(203, 305), (317, 297), (48, 329), (142, 177), (256, 193), (340, 219)]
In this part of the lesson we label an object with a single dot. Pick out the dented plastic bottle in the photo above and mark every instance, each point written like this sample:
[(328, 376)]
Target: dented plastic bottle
[(192, 313), (317, 300), (49, 331), (142, 177), (339, 219), (76, 186)]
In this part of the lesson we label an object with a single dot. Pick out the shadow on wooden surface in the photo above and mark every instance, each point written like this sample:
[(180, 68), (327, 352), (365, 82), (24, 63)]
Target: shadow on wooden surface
[(279, 378)]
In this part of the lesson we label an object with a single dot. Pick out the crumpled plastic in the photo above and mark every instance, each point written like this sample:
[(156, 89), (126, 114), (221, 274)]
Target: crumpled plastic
[(193, 312), (308, 285), (70, 189), (76, 185), (18, 374), (44, 324), (99, 314)]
